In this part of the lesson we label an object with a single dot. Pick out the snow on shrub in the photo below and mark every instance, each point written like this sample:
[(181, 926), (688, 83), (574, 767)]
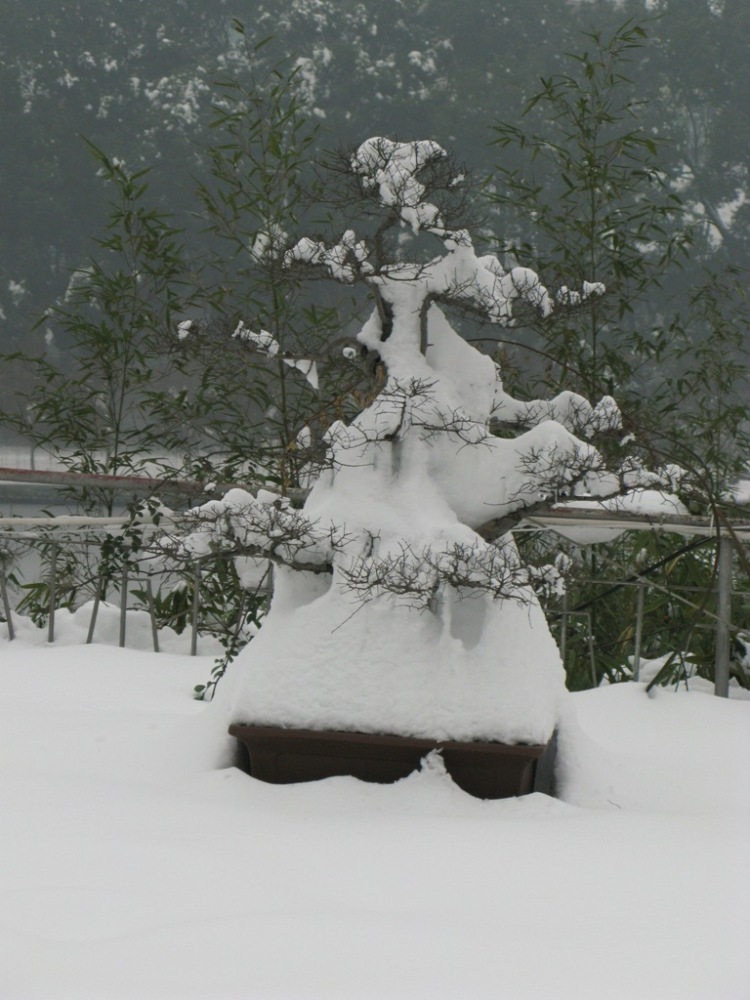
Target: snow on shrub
[(391, 610)]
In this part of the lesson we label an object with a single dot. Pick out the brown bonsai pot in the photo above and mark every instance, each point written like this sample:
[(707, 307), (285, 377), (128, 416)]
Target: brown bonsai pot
[(485, 770)]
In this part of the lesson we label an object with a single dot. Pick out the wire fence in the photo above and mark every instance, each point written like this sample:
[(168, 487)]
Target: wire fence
[(736, 628), (44, 549), (85, 561)]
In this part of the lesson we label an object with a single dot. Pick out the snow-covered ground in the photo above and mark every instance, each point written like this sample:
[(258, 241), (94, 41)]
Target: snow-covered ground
[(135, 867)]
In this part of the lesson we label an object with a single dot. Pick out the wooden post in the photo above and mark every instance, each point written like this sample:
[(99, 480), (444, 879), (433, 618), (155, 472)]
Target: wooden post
[(564, 629), (724, 614)]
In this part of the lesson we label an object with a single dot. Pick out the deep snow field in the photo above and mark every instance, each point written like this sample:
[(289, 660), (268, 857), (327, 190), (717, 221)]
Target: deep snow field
[(135, 866)]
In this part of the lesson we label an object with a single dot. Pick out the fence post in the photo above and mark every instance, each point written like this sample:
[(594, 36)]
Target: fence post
[(564, 629), (6, 601), (196, 609), (95, 609), (52, 594), (152, 614), (724, 614), (592, 656), (638, 631), (123, 603)]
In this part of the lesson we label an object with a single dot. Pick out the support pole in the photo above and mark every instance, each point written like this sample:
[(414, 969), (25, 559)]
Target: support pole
[(196, 609), (564, 629), (123, 603), (638, 631), (724, 614), (95, 610), (52, 593), (6, 603), (152, 614), (592, 656)]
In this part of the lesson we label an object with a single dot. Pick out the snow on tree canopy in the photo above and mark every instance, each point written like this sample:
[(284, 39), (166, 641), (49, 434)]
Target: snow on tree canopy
[(391, 613), (391, 167)]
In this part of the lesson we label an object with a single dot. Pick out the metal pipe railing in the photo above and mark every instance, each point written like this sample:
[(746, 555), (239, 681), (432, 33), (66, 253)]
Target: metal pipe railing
[(71, 530)]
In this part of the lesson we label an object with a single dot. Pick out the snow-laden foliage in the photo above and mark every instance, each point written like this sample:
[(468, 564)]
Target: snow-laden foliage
[(392, 609)]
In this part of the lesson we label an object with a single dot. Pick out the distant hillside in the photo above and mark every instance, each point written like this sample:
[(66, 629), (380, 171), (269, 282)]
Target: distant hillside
[(137, 79)]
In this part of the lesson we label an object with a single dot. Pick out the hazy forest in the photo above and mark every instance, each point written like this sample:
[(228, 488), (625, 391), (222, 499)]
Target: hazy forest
[(139, 80)]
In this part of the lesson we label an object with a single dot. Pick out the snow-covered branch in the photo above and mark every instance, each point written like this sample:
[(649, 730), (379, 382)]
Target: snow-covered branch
[(568, 408), (418, 578), (264, 527)]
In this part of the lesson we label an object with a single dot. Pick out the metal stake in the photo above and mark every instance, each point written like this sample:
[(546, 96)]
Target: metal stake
[(592, 658), (152, 614), (564, 629), (196, 609), (638, 631), (52, 594), (6, 604), (724, 614), (95, 610), (123, 603)]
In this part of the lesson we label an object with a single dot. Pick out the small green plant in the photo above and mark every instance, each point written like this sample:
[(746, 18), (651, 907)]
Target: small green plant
[(95, 412), (230, 611), (157, 384), (584, 191)]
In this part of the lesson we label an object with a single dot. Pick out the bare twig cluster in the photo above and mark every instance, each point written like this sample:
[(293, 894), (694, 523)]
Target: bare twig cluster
[(416, 576), (266, 527)]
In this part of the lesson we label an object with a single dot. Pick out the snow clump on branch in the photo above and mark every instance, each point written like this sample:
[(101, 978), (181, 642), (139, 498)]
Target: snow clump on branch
[(392, 168)]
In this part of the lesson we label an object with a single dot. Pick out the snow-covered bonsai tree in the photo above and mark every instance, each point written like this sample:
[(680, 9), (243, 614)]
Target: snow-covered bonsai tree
[(395, 609)]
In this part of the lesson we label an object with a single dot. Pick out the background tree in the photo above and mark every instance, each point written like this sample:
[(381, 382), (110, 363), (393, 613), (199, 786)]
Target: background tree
[(270, 382), (703, 75), (589, 198), (595, 189), (97, 415)]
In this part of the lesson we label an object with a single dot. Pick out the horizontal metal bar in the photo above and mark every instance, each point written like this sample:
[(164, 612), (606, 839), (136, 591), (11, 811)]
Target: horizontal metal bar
[(138, 484), (647, 582), (571, 519), (65, 521), (47, 477), (552, 521)]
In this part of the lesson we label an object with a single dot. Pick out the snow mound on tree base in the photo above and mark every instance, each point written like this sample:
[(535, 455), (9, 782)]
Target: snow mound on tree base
[(479, 670)]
